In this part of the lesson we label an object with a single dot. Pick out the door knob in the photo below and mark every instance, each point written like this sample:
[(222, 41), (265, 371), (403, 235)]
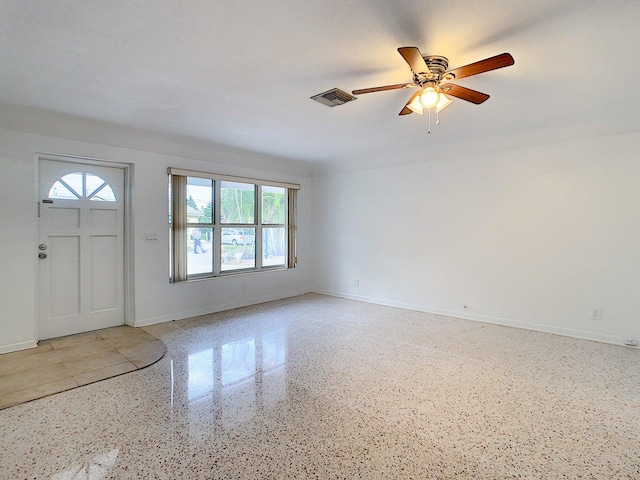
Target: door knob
[(42, 255)]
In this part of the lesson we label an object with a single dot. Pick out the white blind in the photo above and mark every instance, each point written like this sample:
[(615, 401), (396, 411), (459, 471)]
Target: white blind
[(179, 227)]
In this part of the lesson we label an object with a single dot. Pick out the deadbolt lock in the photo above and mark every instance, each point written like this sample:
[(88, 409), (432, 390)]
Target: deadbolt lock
[(42, 246)]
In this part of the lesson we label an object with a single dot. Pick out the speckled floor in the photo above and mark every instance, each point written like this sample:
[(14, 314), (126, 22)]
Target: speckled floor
[(320, 387)]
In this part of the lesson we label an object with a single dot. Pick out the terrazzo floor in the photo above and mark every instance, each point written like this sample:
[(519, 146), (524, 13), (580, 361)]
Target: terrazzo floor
[(68, 362), (320, 387)]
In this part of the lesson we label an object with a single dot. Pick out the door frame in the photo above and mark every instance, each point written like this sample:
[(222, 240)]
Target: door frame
[(128, 267)]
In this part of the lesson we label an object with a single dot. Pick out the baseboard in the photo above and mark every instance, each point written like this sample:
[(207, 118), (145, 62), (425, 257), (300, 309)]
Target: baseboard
[(14, 347), (507, 322), (218, 308)]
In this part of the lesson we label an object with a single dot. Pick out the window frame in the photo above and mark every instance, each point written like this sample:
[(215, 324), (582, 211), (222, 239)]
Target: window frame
[(211, 225), (178, 261)]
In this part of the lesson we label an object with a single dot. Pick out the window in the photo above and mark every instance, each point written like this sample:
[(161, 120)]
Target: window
[(200, 218), (77, 185), (238, 221), (221, 225)]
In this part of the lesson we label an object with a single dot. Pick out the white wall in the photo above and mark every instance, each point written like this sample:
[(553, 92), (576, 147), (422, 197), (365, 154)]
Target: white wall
[(155, 299), (537, 237)]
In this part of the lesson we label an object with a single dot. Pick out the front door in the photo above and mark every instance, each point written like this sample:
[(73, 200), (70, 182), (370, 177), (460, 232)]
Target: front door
[(81, 247)]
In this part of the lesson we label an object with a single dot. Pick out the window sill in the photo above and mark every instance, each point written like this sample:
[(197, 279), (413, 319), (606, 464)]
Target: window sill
[(236, 273)]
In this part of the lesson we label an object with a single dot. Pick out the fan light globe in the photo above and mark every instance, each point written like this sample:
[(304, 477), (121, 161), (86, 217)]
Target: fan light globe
[(429, 97)]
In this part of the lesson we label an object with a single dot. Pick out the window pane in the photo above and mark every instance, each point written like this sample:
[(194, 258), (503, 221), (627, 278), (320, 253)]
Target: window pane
[(199, 200), (274, 201), (92, 183), (74, 182), (104, 194), (97, 189), (68, 187), (62, 192), (238, 202), (274, 246), (199, 252), (238, 248)]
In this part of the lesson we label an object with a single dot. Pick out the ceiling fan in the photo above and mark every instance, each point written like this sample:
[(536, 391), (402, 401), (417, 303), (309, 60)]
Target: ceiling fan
[(430, 74)]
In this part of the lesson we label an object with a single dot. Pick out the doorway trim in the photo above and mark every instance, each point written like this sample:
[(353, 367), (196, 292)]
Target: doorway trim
[(129, 243)]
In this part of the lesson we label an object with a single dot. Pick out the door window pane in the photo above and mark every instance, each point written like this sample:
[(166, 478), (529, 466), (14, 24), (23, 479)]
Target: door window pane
[(274, 246), (97, 189), (238, 249), (62, 192), (199, 200), (68, 187), (74, 182), (274, 201), (92, 184), (199, 251), (104, 194), (237, 202)]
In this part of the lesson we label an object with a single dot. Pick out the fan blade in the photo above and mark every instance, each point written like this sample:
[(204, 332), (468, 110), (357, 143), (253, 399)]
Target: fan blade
[(406, 110), (486, 65), (414, 58), (464, 93), (382, 89)]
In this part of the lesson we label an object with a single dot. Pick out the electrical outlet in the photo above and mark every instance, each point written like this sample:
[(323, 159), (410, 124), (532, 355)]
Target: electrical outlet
[(596, 314), (356, 283)]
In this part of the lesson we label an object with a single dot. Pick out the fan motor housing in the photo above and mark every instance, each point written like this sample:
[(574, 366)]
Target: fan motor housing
[(437, 66), (436, 63)]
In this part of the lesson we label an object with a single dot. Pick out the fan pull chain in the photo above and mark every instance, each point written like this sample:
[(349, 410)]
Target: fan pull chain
[(437, 118), (429, 131)]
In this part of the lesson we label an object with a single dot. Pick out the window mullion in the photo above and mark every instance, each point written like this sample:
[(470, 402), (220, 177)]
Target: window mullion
[(258, 235), (217, 230)]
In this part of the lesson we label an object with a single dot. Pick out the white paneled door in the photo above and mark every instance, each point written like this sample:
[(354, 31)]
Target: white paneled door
[(81, 247)]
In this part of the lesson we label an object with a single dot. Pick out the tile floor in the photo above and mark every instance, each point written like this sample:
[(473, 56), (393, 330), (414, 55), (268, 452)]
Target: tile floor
[(63, 363), (320, 387)]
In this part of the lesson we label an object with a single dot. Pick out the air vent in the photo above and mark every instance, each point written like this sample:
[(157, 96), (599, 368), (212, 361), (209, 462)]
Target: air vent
[(333, 97)]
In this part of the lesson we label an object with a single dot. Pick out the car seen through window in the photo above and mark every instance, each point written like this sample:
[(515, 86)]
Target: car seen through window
[(236, 237)]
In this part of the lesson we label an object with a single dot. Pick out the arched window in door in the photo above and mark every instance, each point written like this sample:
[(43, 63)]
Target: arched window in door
[(76, 185)]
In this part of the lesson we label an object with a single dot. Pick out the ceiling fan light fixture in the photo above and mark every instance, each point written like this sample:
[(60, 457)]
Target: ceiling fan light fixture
[(416, 106), (443, 102), (429, 97)]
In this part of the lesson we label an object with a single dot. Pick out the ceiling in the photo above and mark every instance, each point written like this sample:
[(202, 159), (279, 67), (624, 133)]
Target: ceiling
[(240, 74)]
